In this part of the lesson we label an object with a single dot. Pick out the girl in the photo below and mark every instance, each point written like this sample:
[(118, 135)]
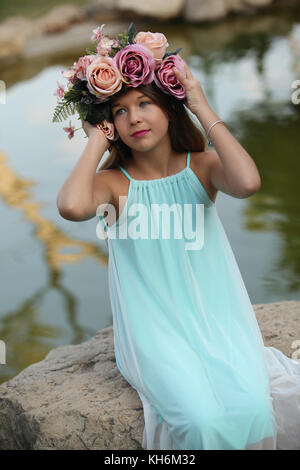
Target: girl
[(185, 333)]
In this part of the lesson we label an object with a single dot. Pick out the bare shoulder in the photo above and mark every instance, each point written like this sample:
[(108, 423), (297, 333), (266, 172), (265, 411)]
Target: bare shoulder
[(202, 163), (106, 173), (109, 177), (205, 158), (116, 181)]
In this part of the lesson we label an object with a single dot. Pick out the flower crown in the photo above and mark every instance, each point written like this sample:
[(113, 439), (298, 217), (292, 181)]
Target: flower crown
[(114, 64)]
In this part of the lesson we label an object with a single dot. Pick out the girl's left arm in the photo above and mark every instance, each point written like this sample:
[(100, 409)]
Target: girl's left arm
[(232, 169)]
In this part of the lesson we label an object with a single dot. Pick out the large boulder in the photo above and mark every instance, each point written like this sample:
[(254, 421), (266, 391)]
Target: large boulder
[(158, 9), (214, 10), (73, 399), (73, 39), (259, 3), (60, 18), (205, 10), (14, 33), (76, 397), (17, 30)]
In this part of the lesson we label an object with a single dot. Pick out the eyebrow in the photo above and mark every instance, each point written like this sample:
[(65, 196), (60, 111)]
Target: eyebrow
[(118, 104)]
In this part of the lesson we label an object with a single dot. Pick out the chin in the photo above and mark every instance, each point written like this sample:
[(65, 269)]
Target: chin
[(144, 147)]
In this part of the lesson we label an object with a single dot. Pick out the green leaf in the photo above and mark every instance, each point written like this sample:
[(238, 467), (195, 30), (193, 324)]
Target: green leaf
[(94, 114), (167, 54), (82, 109), (63, 110), (91, 50), (73, 95), (131, 33)]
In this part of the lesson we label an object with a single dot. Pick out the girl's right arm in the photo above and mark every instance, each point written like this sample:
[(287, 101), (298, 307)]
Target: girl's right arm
[(82, 192)]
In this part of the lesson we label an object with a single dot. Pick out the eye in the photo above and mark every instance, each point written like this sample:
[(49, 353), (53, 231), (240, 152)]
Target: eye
[(146, 102), (118, 111)]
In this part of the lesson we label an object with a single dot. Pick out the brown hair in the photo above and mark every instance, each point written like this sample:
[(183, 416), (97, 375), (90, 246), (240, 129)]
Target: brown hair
[(184, 134)]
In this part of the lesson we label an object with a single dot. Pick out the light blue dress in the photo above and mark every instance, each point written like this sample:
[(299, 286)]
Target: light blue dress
[(185, 333)]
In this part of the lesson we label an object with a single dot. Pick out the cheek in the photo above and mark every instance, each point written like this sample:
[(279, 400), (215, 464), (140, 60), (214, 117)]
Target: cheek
[(162, 125), (160, 121), (118, 125)]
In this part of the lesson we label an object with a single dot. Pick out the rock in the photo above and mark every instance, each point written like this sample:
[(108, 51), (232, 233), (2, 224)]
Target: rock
[(13, 34), (74, 40), (16, 31), (103, 12), (60, 18), (280, 325), (76, 397), (238, 6), (258, 3), (17, 34), (205, 10), (158, 9), (212, 10)]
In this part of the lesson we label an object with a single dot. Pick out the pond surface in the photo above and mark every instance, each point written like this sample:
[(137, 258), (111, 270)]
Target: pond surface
[(54, 288)]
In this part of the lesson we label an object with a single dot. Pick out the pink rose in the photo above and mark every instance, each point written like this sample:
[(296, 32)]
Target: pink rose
[(82, 64), (104, 46), (108, 129), (70, 74), (103, 78), (156, 43), (97, 33), (166, 79), (136, 65)]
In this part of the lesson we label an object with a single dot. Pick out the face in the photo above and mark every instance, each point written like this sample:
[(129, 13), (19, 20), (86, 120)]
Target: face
[(134, 112)]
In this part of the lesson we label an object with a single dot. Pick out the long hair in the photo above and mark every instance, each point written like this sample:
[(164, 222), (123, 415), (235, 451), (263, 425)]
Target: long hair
[(184, 134)]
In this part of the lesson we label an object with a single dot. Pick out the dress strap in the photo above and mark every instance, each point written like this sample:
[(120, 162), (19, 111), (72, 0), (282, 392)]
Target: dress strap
[(125, 172), (101, 217), (188, 159)]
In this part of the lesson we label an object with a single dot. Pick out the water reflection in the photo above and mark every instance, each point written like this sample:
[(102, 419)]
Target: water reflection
[(246, 67), (276, 207), (21, 329)]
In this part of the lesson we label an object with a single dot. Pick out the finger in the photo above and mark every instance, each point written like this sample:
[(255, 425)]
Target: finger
[(187, 70), (179, 74)]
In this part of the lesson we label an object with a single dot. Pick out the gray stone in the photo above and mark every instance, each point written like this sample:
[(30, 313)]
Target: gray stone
[(103, 11), (13, 35), (60, 18), (205, 10), (76, 397), (259, 3), (154, 8), (77, 37), (280, 325)]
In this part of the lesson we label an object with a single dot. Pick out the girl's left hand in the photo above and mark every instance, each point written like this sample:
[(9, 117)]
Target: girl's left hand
[(195, 98)]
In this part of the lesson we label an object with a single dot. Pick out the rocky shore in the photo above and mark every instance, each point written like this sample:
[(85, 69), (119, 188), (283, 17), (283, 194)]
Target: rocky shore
[(21, 37), (76, 397)]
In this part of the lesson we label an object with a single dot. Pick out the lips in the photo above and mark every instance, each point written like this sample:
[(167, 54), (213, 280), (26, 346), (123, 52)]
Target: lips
[(140, 133)]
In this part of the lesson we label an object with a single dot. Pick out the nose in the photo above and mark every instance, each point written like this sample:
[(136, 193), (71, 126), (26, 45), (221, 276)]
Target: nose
[(134, 117)]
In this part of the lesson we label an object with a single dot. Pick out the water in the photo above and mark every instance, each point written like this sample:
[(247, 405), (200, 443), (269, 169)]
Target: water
[(53, 285)]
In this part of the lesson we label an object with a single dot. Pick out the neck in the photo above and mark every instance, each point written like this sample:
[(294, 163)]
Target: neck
[(158, 162)]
